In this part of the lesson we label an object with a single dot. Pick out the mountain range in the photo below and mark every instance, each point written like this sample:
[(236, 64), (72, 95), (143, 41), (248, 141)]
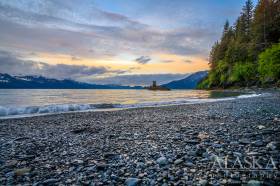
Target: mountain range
[(39, 82), (189, 82)]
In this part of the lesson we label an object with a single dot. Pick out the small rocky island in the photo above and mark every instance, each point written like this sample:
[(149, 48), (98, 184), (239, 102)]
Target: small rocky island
[(154, 86)]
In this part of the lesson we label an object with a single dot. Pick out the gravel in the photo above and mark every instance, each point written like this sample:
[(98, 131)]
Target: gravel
[(172, 145)]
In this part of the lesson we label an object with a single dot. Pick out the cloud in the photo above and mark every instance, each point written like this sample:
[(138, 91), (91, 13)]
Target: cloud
[(143, 59), (188, 61), (84, 12), (138, 79), (11, 64), (75, 58), (61, 27), (167, 61)]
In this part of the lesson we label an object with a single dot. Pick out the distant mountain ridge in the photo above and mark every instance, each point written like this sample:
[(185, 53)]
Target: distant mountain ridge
[(189, 82), (39, 82)]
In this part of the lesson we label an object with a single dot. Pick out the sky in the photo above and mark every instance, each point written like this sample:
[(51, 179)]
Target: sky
[(111, 41)]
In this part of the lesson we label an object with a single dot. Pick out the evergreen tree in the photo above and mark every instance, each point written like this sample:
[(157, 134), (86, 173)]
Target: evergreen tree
[(234, 59), (247, 13)]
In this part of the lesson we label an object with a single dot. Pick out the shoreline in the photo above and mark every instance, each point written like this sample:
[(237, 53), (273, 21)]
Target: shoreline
[(190, 101), (145, 146)]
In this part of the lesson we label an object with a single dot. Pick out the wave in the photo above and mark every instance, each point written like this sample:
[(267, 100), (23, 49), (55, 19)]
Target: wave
[(8, 112), (12, 111)]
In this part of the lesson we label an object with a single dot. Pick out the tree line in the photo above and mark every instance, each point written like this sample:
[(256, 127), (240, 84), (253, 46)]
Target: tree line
[(248, 53)]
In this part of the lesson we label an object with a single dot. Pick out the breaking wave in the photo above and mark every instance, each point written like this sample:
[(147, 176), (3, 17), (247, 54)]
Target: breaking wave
[(8, 112)]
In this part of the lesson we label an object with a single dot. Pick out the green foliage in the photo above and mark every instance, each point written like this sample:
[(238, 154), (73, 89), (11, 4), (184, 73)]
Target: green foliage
[(204, 84), (269, 64), (237, 59), (244, 73)]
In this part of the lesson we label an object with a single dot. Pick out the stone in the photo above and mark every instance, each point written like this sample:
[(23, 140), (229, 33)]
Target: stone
[(101, 166), (189, 164), (253, 183), (258, 143), (162, 161), (244, 141), (261, 127), (202, 135), (234, 143), (141, 175), (11, 163), (237, 154), (20, 172), (216, 145), (50, 181), (78, 162), (276, 119), (109, 155), (10, 174), (178, 161), (202, 182), (192, 141), (131, 181), (272, 145)]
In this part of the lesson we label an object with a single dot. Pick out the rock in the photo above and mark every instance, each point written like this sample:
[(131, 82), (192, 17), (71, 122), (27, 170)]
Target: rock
[(109, 155), (200, 151), (202, 135), (149, 163), (192, 152), (162, 161), (189, 164), (11, 163), (234, 143), (20, 172), (237, 154), (131, 181), (50, 181), (253, 183), (178, 161), (78, 162), (101, 166), (267, 131), (192, 141), (258, 143), (244, 141), (10, 178), (26, 157), (10, 174), (91, 168), (260, 127), (253, 153), (177, 137), (193, 170), (78, 130), (276, 119), (272, 145), (141, 175), (216, 145), (202, 182)]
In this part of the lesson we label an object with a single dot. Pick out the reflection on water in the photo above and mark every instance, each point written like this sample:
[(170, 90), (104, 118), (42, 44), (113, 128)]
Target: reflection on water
[(37, 97), (22, 102), (223, 94)]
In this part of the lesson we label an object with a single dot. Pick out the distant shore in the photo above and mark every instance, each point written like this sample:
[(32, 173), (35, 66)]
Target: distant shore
[(144, 146)]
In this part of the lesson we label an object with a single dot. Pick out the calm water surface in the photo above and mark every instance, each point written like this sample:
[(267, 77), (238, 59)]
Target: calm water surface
[(29, 101)]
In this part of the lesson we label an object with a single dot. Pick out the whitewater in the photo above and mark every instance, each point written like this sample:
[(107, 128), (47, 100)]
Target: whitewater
[(26, 103)]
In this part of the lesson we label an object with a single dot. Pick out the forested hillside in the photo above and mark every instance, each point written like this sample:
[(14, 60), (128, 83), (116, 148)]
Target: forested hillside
[(248, 52)]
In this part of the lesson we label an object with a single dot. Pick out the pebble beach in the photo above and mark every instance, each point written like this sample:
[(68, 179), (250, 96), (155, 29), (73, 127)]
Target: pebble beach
[(170, 145)]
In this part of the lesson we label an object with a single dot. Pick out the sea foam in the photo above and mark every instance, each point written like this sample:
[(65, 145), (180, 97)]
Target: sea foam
[(14, 112)]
